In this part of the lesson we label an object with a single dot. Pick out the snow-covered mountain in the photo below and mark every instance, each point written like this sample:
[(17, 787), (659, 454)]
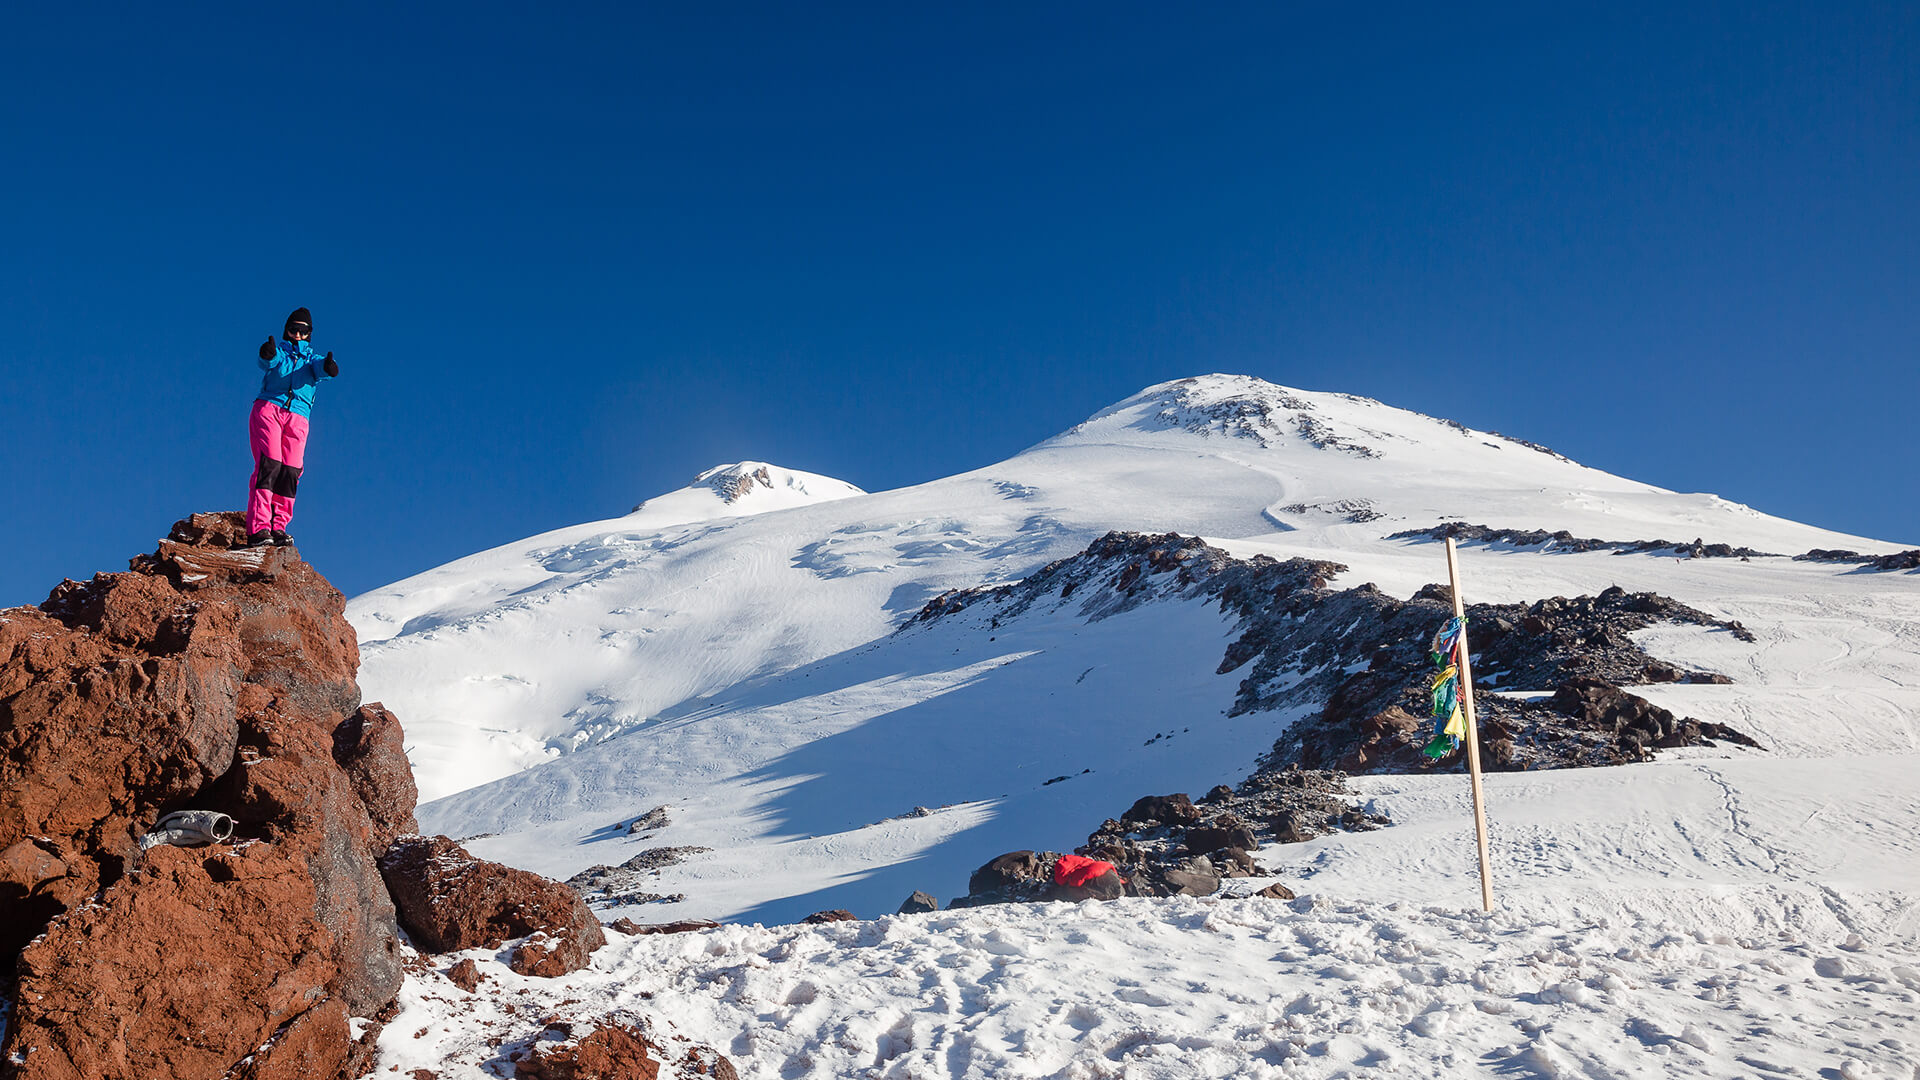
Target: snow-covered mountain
[(750, 681), (745, 669)]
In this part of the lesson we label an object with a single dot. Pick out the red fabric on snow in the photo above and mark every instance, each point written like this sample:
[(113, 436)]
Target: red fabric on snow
[(1079, 870)]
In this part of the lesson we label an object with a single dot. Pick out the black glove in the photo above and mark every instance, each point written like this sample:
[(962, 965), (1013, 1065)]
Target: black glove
[(332, 369), (266, 348)]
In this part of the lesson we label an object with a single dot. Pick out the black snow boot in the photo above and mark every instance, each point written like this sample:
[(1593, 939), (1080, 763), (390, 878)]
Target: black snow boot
[(281, 539), (259, 539)]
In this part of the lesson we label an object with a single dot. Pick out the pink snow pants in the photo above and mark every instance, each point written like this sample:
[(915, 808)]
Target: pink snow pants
[(279, 440)]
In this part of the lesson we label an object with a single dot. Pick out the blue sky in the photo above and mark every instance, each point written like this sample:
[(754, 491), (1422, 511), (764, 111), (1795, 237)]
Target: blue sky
[(567, 259)]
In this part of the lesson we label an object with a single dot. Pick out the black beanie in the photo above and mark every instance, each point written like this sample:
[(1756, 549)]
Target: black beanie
[(300, 317)]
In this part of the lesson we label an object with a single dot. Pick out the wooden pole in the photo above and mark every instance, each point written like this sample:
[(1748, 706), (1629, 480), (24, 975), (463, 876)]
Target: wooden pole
[(1473, 731)]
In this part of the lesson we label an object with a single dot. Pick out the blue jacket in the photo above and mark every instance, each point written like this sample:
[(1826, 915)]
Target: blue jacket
[(289, 378)]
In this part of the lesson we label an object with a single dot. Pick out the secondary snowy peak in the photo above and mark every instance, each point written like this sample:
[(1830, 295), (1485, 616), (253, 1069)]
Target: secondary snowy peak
[(746, 487), (750, 478)]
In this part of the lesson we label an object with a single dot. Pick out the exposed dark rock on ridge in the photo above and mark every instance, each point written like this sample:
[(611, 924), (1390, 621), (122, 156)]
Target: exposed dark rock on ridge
[(1130, 569), (1355, 659), (1899, 560), (1567, 542)]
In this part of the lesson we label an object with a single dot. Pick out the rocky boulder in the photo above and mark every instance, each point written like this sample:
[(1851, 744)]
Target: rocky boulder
[(1013, 877), (450, 901), (371, 748), (1031, 876), (209, 676), (918, 903)]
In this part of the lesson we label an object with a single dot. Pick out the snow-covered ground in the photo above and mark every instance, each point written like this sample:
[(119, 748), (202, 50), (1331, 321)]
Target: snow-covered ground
[(1213, 987), (1715, 913)]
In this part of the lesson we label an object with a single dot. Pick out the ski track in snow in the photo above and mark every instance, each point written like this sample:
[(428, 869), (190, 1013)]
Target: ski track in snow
[(1718, 912)]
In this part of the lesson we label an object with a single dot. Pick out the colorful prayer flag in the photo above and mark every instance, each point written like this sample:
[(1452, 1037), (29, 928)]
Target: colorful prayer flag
[(1450, 725)]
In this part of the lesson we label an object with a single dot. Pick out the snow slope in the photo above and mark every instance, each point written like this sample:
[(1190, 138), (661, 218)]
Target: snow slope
[(749, 674)]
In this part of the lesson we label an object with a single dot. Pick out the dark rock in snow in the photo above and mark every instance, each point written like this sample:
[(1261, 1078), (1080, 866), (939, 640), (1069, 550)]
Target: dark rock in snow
[(1284, 805), (1210, 838), (919, 903), (1017, 875), (610, 886), (1899, 560), (1175, 809), (549, 955), (654, 819), (1194, 878), (836, 915), (1564, 541), (1359, 655)]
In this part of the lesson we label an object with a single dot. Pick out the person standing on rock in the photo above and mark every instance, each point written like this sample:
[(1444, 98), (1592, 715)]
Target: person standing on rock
[(277, 426)]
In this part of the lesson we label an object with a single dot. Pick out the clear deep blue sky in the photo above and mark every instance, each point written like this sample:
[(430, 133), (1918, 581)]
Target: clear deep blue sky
[(569, 258)]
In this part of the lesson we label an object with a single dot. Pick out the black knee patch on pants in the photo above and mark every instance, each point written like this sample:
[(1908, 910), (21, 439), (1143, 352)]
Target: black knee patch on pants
[(286, 481), (266, 473), (276, 476)]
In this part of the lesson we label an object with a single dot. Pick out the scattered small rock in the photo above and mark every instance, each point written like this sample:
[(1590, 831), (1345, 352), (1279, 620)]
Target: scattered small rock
[(650, 821), (836, 915), (919, 903), (681, 926), (465, 975)]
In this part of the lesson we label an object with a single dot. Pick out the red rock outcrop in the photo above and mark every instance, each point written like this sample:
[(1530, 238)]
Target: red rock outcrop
[(372, 749), (606, 1053), (210, 676), (449, 901)]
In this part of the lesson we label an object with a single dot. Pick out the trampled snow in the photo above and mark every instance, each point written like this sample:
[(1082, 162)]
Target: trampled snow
[(747, 671)]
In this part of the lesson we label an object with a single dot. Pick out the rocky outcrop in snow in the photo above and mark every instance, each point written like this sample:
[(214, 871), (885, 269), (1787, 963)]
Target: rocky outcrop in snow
[(210, 677), (1564, 541), (1899, 560), (450, 901), (1359, 656), (1169, 845)]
